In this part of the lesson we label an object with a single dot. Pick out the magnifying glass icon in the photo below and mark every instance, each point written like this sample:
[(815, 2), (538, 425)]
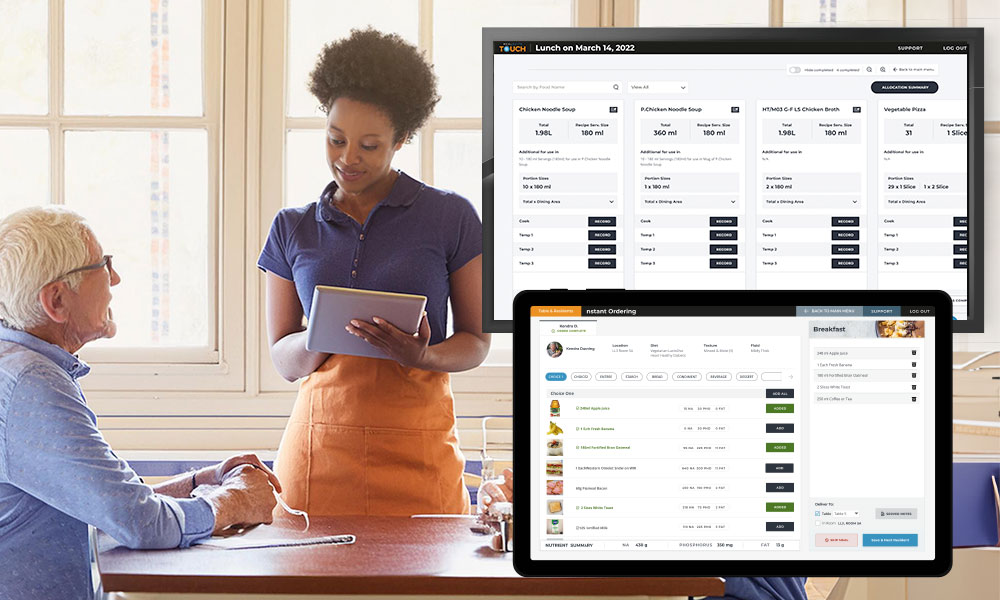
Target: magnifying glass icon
[(615, 86)]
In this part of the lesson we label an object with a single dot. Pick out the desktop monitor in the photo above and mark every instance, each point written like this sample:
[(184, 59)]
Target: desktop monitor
[(733, 158), (732, 433)]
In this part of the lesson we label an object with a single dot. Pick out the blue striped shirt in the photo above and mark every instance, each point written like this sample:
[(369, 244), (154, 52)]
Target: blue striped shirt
[(58, 474)]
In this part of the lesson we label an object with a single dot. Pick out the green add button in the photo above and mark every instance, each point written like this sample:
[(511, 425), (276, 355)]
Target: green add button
[(780, 447), (780, 506), (779, 408)]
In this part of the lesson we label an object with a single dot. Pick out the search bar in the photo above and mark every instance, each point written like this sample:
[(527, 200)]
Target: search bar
[(567, 87), (657, 87)]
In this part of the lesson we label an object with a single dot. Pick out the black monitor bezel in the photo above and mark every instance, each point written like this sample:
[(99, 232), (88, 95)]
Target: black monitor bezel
[(971, 35), (939, 566)]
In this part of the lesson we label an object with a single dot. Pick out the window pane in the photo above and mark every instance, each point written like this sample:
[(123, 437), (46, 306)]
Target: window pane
[(134, 58), (847, 13), (307, 172), (458, 41), (928, 13), (986, 14), (315, 23), (24, 169), (24, 57), (457, 164), (707, 13), (145, 194)]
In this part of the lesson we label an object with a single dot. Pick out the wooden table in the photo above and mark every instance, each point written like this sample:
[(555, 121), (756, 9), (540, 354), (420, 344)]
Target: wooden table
[(392, 555)]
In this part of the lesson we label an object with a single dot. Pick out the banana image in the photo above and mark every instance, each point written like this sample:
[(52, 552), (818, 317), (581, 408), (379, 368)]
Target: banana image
[(554, 429)]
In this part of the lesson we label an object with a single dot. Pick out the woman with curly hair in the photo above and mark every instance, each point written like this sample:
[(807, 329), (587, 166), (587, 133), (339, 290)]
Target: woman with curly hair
[(375, 436)]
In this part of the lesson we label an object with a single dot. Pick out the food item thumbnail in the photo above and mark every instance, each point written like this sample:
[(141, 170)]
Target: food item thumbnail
[(555, 507), (554, 526), (555, 447), (554, 467), (554, 429), (554, 487), (899, 329)]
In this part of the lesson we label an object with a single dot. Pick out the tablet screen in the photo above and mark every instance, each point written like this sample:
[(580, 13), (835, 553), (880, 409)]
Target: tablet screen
[(801, 432)]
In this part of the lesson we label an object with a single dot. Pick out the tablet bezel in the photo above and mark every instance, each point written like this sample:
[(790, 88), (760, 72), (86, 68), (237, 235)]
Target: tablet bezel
[(938, 566)]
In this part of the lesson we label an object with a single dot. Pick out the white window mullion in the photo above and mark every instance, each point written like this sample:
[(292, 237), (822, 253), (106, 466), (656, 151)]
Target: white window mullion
[(56, 135)]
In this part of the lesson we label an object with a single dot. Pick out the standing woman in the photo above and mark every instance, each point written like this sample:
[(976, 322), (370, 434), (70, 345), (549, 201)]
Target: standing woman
[(375, 436)]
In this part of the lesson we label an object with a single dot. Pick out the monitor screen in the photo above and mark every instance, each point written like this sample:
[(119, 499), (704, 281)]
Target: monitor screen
[(765, 159), (694, 426)]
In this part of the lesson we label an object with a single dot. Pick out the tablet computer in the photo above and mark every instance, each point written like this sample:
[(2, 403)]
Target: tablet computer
[(732, 433), (334, 307)]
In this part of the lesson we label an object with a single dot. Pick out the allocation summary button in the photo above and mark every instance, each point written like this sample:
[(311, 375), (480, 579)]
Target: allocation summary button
[(845, 221), (780, 447), (779, 408), (779, 393), (779, 467), (779, 428), (601, 263), (904, 87), (602, 221), (602, 234), (846, 263), (779, 526), (555, 377), (723, 263), (885, 540), (846, 234), (779, 487), (779, 507)]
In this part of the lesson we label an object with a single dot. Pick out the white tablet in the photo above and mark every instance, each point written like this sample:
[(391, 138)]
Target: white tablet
[(334, 307)]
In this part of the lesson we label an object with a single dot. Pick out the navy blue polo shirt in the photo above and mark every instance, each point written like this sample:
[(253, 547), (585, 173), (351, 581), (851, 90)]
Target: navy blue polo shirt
[(410, 243)]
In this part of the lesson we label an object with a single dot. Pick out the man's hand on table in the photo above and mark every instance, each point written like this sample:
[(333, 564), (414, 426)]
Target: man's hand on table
[(245, 497)]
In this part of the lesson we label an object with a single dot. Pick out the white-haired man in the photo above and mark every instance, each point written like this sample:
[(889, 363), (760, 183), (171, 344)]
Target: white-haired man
[(57, 473)]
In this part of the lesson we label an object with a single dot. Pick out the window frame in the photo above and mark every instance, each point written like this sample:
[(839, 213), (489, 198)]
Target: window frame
[(209, 367)]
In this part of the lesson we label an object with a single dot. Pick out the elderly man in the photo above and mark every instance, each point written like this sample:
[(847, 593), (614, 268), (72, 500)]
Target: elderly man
[(57, 474)]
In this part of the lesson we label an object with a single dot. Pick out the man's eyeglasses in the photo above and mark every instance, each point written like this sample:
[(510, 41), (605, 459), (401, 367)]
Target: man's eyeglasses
[(104, 262)]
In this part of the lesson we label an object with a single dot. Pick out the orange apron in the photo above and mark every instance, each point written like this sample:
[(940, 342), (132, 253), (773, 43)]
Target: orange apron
[(370, 437)]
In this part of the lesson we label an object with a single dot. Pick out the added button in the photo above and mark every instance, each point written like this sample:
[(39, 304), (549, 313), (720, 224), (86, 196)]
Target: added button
[(780, 447)]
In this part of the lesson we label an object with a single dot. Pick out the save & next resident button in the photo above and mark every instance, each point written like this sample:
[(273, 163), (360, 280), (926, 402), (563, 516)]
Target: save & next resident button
[(889, 539), (555, 377)]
